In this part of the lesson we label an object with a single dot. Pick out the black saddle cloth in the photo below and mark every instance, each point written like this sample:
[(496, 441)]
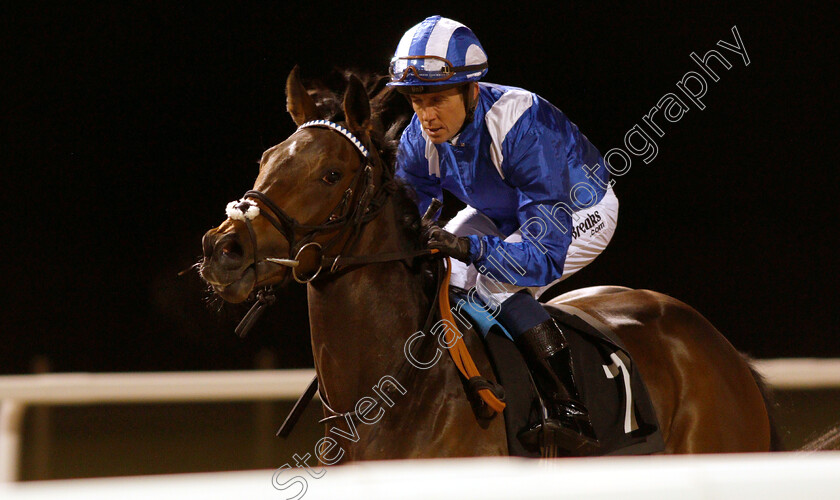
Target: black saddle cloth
[(622, 414)]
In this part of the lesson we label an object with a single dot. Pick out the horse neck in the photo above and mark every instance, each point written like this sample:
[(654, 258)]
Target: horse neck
[(361, 319), (360, 322)]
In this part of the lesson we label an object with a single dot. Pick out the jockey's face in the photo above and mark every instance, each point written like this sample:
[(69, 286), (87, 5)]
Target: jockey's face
[(440, 113)]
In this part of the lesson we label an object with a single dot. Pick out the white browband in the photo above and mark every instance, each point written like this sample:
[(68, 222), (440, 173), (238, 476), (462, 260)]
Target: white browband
[(341, 130), (246, 209)]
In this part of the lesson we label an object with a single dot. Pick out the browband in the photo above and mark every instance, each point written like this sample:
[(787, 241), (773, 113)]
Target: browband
[(341, 130)]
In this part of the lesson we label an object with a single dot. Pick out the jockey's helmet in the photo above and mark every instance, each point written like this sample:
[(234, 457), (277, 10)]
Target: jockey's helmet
[(435, 55)]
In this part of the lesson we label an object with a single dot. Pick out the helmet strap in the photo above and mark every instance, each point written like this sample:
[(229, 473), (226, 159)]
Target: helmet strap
[(469, 105)]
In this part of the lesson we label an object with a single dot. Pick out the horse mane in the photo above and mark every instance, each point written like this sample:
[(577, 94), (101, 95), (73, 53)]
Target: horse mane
[(390, 114)]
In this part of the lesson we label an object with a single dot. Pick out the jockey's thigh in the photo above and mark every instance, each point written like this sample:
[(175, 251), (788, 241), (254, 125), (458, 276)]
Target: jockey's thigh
[(589, 242), (586, 245), (469, 221)]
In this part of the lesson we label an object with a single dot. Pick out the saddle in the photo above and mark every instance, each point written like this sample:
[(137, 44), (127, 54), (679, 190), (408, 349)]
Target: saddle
[(621, 412)]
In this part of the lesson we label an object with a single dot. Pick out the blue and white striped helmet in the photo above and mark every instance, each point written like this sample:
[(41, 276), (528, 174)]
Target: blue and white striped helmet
[(437, 52)]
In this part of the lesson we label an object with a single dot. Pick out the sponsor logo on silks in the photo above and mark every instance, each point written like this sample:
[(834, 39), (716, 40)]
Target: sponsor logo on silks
[(591, 224)]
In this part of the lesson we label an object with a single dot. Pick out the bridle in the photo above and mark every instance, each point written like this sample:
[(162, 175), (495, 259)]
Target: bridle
[(345, 220), (347, 223), (341, 220)]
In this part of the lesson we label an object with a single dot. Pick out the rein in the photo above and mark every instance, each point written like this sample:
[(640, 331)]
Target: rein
[(403, 370), (490, 393)]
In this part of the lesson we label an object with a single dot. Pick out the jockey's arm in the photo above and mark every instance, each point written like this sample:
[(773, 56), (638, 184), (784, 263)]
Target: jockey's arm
[(535, 164)]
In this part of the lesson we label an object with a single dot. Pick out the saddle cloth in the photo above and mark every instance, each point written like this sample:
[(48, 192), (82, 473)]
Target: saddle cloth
[(621, 412)]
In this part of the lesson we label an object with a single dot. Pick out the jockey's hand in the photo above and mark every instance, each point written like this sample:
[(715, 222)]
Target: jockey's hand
[(449, 244)]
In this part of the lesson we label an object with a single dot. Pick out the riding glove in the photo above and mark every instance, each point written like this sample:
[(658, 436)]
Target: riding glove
[(449, 244)]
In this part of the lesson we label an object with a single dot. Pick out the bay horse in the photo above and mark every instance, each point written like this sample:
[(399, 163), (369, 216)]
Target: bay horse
[(328, 189)]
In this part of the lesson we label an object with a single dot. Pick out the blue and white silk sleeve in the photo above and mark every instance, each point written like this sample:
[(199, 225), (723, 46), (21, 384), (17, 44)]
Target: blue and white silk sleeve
[(535, 164)]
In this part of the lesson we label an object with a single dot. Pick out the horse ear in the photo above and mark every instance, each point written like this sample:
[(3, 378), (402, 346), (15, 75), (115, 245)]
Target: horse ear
[(356, 106), (299, 103)]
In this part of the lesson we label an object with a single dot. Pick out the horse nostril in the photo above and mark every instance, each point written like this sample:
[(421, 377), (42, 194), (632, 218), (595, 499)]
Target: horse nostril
[(233, 250), (229, 252)]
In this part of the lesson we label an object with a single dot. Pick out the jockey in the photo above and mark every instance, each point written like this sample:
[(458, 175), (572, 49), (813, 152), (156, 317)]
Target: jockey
[(540, 204)]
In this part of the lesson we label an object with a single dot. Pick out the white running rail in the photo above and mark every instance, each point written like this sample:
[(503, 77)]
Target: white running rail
[(709, 477), (19, 391)]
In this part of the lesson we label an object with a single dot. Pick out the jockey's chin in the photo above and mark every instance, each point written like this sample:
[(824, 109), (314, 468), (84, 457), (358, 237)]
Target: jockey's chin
[(439, 135)]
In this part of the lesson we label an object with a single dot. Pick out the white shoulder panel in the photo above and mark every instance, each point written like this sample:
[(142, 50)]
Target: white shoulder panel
[(500, 119), (432, 156)]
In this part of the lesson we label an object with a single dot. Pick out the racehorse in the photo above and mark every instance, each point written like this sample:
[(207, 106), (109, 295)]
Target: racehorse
[(326, 210)]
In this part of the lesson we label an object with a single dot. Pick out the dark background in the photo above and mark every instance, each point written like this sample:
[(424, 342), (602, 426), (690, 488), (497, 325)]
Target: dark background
[(129, 127)]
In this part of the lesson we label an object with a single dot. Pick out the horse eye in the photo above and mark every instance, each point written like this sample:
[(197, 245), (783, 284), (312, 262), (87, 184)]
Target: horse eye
[(331, 177)]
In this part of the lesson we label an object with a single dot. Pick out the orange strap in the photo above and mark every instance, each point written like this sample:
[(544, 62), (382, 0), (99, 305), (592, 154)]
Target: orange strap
[(458, 351)]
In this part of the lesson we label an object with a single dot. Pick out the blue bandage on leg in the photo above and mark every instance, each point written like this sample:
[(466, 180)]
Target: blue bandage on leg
[(521, 312)]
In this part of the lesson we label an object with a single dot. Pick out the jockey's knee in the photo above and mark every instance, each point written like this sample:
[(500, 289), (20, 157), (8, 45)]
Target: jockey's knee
[(495, 292)]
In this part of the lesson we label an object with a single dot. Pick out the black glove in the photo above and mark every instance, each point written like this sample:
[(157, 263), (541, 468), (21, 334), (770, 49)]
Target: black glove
[(449, 244)]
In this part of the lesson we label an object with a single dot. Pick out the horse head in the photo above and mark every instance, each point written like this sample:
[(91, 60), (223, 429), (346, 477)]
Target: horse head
[(306, 199)]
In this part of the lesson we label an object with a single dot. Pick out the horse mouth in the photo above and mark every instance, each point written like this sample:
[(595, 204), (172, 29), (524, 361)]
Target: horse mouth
[(234, 291)]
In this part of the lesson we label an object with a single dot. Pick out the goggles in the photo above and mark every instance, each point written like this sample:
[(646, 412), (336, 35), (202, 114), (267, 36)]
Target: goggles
[(427, 68)]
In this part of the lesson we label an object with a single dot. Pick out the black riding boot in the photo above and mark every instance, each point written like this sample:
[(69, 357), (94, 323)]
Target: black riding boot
[(567, 426)]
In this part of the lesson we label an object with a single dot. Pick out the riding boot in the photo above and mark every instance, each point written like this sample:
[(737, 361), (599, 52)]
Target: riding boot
[(567, 425)]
